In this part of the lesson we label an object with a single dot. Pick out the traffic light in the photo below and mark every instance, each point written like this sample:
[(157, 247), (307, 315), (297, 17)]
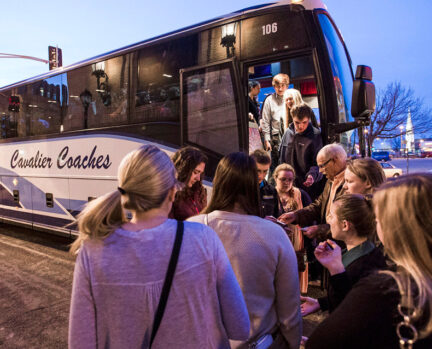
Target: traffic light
[(55, 57), (14, 103)]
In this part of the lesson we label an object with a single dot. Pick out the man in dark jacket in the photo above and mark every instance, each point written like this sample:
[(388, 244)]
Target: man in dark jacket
[(270, 205), (299, 148)]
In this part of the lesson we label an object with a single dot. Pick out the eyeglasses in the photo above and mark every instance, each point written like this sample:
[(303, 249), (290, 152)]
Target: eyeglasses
[(284, 179), (325, 164)]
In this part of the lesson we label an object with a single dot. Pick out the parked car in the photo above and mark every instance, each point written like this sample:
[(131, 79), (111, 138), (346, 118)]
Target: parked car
[(426, 154), (390, 170), (381, 155)]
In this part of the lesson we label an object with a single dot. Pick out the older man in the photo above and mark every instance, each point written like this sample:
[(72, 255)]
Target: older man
[(331, 161)]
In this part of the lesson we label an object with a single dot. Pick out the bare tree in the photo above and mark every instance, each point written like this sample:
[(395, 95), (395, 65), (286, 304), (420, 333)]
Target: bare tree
[(391, 112)]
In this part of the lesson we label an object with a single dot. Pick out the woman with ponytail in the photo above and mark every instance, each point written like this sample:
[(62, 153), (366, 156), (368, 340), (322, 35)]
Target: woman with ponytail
[(392, 308), (352, 221), (121, 268)]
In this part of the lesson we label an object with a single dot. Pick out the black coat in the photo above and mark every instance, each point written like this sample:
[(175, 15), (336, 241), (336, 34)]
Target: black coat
[(366, 318), (300, 151), (270, 205), (341, 284)]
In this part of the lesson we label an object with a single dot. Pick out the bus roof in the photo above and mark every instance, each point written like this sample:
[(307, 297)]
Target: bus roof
[(306, 4)]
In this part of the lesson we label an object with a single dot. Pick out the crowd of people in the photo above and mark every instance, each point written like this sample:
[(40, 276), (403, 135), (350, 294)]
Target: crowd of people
[(234, 272)]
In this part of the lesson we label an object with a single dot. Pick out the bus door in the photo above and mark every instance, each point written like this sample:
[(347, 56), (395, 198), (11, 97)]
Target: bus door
[(210, 110), (302, 78)]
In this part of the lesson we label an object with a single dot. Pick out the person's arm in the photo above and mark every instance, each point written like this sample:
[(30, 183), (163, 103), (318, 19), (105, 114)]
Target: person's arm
[(232, 304), (266, 119), (82, 317), (283, 147), (310, 214), (288, 294), (314, 169), (331, 258)]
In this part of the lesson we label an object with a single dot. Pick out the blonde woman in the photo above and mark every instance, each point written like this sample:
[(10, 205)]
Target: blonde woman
[(293, 98), (363, 176), (121, 267), (394, 308), (291, 200)]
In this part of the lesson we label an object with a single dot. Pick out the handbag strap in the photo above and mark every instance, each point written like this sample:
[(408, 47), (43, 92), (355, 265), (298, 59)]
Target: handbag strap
[(168, 281)]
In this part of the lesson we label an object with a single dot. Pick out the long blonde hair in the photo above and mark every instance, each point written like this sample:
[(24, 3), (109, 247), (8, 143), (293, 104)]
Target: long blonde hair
[(145, 177), (291, 202), (297, 98), (404, 211)]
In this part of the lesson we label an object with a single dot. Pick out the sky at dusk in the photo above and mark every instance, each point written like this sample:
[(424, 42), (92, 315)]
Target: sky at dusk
[(392, 36)]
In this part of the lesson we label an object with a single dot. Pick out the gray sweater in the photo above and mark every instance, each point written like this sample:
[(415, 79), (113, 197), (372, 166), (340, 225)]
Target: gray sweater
[(265, 264), (118, 281)]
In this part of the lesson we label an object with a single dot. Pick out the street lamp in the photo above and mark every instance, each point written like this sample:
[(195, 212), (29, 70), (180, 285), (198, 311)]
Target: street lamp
[(98, 70), (228, 38)]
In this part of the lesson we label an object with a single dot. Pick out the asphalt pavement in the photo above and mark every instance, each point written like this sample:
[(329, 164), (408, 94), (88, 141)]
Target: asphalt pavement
[(36, 278), (413, 164)]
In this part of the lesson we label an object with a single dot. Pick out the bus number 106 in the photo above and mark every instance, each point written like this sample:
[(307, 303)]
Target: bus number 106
[(269, 28)]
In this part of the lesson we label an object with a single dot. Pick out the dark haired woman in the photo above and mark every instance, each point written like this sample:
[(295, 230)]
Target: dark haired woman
[(260, 252), (190, 164), (352, 221)]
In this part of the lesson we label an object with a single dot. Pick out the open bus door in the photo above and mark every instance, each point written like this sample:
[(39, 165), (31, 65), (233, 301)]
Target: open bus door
[(211, 110)]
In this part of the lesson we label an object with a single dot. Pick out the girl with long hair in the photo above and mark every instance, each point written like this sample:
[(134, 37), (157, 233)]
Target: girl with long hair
[(262, 257), (392, 308), (121, 268), (291, 199), (190, 164)]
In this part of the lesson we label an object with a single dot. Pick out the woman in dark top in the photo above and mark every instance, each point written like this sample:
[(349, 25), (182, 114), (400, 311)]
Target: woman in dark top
[(190, 164), (390, 309), (352, 221), (254, 108)]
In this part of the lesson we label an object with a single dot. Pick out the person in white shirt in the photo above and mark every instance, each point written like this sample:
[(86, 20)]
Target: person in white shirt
[(260, 252)]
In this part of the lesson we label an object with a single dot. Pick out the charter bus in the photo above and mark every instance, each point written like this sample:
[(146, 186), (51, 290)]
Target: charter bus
[(64, 133)]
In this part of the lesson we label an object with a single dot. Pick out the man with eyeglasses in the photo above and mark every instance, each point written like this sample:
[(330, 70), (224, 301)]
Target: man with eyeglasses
[(331, 161), (272, 118)]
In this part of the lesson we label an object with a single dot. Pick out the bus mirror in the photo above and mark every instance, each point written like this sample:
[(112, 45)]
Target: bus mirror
[(363, 95)]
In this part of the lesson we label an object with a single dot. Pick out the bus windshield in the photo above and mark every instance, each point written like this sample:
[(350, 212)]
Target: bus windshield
[(342, 75)]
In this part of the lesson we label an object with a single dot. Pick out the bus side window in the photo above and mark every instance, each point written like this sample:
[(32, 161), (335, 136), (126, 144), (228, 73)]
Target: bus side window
[(210, 113), (97, 95), (157, 80)]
